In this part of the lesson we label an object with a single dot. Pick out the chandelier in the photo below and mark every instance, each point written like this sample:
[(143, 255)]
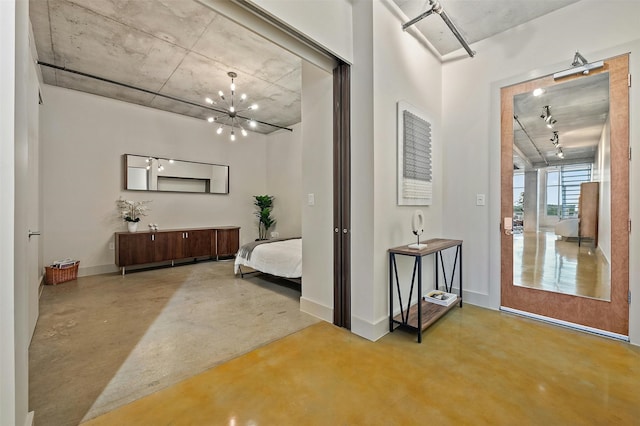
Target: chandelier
[(230, 111)]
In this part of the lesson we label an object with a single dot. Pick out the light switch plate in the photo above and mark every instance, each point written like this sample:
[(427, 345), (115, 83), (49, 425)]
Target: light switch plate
[(479, 199)]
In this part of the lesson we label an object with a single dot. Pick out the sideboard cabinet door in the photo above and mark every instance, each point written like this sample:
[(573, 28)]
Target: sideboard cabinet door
[(228, 241), (134, 249)]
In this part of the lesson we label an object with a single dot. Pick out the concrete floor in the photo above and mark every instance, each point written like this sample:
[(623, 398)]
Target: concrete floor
[(542, 261), (474, 367), (106, 340)]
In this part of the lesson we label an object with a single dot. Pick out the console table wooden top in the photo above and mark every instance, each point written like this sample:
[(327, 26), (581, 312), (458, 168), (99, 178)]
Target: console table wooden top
[(433, 245)]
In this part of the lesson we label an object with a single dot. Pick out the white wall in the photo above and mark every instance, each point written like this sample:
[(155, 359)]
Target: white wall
[(471, 123), (83, 140), (403, 69), (602, 174), (326, 22), (9, 409), (284, 180), (317, 179), (15, 86)]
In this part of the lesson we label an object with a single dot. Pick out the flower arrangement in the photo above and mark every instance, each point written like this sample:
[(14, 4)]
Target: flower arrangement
[(131, 211)]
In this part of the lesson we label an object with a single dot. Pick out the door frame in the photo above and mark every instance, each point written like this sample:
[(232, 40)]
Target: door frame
[(246, 13), (610, 316)]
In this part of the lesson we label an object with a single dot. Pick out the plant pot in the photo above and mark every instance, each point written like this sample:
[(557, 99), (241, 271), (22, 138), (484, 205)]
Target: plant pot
[(132, 226)]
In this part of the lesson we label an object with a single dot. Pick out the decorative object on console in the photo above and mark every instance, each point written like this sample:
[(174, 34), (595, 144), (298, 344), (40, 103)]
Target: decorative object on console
[(229, 117), (264, 203), (440, 297), (414, 157), (417, 226), (131, 211)]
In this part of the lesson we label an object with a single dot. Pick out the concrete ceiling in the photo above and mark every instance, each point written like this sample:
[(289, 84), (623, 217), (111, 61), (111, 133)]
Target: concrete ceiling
[(182, 49), (475, 19), (178, 48), (581, 108)]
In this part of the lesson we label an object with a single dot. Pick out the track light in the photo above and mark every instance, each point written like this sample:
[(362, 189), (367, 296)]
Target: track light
[(555, 139), (547, 117), (159, 167)]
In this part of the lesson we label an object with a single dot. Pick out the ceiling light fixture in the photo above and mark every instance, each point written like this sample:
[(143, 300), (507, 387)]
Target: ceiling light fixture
[(150, 163), (547, 117), (555, 140), (580, 66), (538, 92), (229, 117)]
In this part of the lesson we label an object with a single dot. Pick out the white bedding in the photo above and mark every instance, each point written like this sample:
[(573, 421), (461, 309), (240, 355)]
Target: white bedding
[(567, 228), (280, 258)]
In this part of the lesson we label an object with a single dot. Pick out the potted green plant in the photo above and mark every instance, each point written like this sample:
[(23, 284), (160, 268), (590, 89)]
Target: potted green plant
[(264, 205)]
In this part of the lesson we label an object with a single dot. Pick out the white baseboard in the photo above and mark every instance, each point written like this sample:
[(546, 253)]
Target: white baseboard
[(316, 309), (368, 330), (28, 421), (97, 270)]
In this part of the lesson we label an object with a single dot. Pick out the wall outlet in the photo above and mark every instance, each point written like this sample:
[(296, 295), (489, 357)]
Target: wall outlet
[(311, 199)]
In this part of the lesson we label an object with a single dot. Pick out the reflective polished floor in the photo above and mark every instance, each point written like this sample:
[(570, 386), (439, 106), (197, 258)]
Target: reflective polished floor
[(541, 260), (474, 367)]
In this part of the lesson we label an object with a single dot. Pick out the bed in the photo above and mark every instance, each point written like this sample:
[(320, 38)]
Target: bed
[(567, 228), (279, 257)]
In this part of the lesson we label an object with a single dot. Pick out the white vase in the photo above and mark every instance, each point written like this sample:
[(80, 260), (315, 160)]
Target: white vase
[(133, 226)]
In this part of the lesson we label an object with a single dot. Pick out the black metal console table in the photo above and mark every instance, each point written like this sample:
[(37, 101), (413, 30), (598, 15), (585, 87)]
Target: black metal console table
[(422, 314)]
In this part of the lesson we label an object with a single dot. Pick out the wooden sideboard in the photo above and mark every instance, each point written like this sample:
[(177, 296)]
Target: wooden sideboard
[(139, 248)]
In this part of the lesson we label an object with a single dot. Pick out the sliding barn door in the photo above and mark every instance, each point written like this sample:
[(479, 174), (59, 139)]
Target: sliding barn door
[(341, 196)]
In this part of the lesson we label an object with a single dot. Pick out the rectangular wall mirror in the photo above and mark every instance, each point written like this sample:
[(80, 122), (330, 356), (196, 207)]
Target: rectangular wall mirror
[(148, 173)]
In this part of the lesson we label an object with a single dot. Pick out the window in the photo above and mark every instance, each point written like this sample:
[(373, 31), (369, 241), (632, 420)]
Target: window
[(518, 194), (553, 193), (563, 189)]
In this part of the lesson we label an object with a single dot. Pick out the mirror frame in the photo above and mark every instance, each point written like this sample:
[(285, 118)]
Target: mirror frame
[(201, 182), (611, 316)]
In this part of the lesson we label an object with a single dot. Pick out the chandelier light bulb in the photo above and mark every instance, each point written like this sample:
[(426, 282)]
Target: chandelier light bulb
[(209, 101), (229, 116), (170, 161), (148, 167)]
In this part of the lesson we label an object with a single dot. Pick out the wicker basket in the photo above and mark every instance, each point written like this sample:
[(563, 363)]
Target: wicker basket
[(55, 276)]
